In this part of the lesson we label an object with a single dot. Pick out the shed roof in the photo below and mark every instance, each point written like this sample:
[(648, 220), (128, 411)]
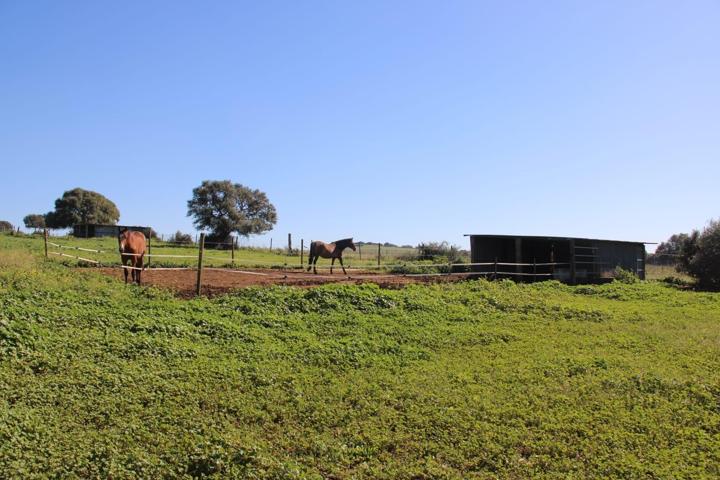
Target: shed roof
[(542, 237)]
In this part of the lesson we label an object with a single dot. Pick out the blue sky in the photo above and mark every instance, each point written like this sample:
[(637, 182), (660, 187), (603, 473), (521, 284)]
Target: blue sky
[(387, 121)]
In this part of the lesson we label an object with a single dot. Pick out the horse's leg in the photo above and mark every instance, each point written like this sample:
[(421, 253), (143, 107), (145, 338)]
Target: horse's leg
[(310, 263), (342, 265), (332, 262), (139, 265), (315, 264), (125, 270)]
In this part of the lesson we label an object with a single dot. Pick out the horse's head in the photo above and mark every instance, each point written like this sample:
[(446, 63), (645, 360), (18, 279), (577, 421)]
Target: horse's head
[(348, 243), (122, 238)]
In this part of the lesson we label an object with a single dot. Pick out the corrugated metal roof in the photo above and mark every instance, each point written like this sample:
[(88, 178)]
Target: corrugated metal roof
[(543, 237)]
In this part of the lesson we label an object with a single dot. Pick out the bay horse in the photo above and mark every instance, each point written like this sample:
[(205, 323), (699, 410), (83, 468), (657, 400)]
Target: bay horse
[(328, 250), (132, 249)]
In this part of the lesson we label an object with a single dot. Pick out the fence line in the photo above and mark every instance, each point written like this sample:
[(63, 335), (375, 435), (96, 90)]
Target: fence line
[(76, 257), (76, 248), (293, 266)]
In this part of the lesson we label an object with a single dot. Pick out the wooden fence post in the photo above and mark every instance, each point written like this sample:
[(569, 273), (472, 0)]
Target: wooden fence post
[(289, 243), (149, 248), (495, 274), (360, 251), (232, 250), (302, 247), (378, 259), (45, 234), (200, 263)]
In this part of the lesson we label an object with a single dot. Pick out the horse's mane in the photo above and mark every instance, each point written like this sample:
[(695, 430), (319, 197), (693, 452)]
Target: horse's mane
[(344, 240)]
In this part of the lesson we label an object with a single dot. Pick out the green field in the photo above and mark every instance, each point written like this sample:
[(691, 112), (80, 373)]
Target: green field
[(467, 380)]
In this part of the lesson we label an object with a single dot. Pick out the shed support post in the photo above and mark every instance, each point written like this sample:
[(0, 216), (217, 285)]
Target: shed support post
[(573, 269), (518, 257)]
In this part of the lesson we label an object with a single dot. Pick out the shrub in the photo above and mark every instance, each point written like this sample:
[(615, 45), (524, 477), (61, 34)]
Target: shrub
[(6, 226), (625, 276), (182, 238), (701, 256), (440, 251)]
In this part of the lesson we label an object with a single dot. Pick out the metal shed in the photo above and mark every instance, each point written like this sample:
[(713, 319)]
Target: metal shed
[(89, 230), (568, 259)]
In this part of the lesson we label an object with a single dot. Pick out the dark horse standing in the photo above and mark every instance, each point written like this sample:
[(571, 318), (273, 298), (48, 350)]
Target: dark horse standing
[(132, 249), (328, 250)]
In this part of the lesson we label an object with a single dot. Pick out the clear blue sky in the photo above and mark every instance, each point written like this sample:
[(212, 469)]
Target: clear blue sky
[(386, 121)]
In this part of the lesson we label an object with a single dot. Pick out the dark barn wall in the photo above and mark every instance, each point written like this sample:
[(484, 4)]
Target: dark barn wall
[(629, 256), (577, 260)]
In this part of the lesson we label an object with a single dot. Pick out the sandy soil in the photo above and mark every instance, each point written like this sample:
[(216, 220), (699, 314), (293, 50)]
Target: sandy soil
[(218, 281)]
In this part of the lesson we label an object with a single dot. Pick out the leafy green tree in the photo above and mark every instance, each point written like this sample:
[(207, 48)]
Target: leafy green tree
[(224, 207), (6, 226), (34, 220), (670, 251), (700, 256), (182, 238), (82, 206)]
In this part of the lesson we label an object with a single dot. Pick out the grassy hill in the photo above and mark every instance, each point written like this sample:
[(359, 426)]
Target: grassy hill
[(469, 380)]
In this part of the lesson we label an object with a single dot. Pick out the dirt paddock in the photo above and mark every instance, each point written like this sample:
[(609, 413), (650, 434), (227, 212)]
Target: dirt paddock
[(218, 281)]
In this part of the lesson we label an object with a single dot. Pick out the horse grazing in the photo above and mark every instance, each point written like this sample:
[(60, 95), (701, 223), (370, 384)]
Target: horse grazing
[(132, 249), (328, 250)]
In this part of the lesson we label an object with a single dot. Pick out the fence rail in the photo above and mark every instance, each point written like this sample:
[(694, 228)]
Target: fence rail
[(290, 266)]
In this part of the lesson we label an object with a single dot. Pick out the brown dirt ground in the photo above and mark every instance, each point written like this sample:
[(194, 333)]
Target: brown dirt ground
[(219, 281)]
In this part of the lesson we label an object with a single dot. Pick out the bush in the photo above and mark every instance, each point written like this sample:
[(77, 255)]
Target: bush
[(441, 252), (701, 256), (182, 238), (625, 276), (6, 226)]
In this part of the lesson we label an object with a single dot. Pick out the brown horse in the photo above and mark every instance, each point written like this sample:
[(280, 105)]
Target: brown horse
[(328, 250), (132, 249)]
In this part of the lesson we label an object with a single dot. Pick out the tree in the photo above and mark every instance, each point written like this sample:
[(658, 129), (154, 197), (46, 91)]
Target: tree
[(224, 207), (34, 220), (670, 251), (6, 226), (182, 238), (79, 206), (700, 256)]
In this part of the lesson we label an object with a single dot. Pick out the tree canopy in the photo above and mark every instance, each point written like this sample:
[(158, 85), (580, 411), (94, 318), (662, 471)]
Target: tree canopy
[(6, 226), (79, 206), (224, 207), (670, 251), (34, 220), (700, 256)]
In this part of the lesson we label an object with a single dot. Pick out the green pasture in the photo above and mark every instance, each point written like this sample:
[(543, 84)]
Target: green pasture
[(477, 379)]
